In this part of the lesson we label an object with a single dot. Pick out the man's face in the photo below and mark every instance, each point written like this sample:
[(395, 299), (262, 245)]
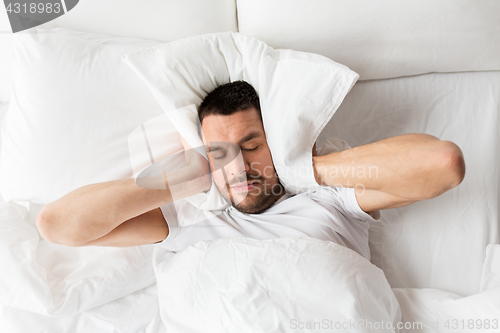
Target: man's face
[(250, 182)]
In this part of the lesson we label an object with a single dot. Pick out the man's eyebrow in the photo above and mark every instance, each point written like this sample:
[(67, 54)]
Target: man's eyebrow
[(249, 137)]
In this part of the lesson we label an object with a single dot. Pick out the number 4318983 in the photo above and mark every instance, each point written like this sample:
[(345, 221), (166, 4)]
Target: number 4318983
[(33, 8)]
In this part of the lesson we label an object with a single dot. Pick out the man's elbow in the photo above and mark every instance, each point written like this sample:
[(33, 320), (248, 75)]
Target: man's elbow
[(453, 165), (456, 164), (51, 229)]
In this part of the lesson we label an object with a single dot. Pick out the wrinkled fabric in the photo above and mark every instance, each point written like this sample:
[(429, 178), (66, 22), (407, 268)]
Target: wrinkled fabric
[(247, 285)]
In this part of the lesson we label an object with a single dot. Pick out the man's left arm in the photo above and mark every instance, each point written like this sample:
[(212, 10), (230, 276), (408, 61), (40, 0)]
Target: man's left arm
[(394, 172)]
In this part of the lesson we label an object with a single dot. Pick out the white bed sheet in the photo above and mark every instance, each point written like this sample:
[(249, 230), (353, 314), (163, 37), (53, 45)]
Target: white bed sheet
[(438, 243)]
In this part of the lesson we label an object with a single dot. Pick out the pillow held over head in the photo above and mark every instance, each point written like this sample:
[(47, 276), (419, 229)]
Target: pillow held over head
[(299, 93)]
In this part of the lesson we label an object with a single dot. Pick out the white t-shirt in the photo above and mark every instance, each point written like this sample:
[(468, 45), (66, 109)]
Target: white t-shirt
[(326, 213)]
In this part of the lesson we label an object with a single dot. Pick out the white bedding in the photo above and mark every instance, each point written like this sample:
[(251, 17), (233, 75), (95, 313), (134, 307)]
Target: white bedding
[(135, 313), (382, 39), (41, 280), (276, 276), (245, 285), (432, 252)]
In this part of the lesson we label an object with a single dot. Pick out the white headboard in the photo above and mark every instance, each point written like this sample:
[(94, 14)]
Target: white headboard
[(163, 20), (385, 38), (5, 56), (377, 39)]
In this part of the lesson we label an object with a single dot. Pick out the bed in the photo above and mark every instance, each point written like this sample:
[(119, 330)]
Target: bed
[(426, 67)]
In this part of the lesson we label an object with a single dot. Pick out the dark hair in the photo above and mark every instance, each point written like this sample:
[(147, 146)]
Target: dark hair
[(228, 99)]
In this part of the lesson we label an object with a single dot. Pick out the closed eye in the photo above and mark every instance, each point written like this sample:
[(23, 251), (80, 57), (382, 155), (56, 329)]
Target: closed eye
[(224, 156), (220, 157)]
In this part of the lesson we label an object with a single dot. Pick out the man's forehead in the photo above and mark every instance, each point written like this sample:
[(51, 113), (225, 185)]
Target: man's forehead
[(235, 128)]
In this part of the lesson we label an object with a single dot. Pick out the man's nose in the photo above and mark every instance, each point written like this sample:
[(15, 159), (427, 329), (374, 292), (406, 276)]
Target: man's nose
[(237, 166)]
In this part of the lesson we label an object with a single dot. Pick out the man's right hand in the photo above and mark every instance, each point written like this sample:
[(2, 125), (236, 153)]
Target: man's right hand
[(194, 178), (194, 159)]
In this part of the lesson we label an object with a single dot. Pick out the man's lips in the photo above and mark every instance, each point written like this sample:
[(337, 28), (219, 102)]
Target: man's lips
[(247, 186)]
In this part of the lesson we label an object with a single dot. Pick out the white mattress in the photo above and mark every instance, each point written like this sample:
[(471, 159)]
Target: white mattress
[(439, 243)]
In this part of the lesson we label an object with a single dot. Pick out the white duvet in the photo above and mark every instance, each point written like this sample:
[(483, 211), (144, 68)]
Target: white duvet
[(239, 285), (281, 285)]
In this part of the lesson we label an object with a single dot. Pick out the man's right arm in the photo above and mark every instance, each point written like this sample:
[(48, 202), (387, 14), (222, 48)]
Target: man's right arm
[(90, 213)]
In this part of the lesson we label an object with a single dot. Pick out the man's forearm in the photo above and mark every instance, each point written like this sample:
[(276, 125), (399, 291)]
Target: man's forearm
[(94, 210), (413, 166), (88, 212)]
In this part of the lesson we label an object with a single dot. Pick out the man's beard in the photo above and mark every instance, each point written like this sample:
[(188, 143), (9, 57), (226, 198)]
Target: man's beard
[(269, 191)]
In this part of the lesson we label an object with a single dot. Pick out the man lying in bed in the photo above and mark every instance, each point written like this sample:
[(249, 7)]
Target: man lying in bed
[(409, 167)]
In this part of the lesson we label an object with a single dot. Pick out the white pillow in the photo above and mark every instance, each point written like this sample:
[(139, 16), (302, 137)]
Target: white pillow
[(74, 105), (382, 39), (279, 285), (299, 93)]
